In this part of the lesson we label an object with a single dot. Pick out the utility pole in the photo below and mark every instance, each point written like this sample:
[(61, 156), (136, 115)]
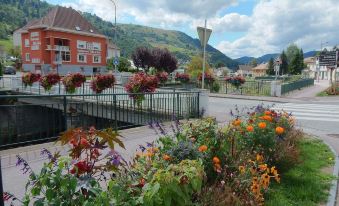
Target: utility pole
[(115, 36), (204, 57)]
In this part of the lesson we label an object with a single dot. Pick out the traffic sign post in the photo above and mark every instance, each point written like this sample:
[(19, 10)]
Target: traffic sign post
[(204, 35), (115, 63)]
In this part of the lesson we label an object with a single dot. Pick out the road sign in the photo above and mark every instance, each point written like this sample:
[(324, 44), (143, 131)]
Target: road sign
[(328, 58), (201, 32), (116, 61)]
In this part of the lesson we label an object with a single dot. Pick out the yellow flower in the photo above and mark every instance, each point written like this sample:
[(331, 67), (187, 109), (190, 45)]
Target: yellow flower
[(277, 178), (242, 169), (253, 170), (274, 171), (260, 157)]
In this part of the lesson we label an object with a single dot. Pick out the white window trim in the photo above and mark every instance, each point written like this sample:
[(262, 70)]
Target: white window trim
[(98, 59), (80, 42), (34, 34), (27, 43), (29, 57), (70, 57), (98, 45), (85, 61)]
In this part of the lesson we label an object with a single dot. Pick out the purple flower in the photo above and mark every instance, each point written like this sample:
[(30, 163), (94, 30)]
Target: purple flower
[(115, 158), (23, 163), (142, 148)]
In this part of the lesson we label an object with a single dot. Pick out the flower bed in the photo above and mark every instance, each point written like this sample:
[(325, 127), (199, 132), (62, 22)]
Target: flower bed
[(236, 81), (73, 81), (48, 81), (28, 79), (102, 82), (183, 78), (199, 163), (140, 84)]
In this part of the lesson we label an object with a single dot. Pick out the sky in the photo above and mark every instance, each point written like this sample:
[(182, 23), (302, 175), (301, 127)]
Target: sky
[(240, 27)]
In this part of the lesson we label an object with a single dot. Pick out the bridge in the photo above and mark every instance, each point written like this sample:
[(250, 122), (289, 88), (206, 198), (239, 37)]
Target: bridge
[(30, 114)]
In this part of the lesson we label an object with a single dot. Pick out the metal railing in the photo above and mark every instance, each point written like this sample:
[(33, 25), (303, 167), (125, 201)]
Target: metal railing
[(26, 119), (262, 88), (291, 86)]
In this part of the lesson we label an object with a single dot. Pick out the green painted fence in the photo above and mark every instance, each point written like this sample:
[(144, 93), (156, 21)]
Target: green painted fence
[(291, 86)]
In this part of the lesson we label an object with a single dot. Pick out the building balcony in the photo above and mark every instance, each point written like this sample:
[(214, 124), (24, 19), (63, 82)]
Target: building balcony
[(57, 48)]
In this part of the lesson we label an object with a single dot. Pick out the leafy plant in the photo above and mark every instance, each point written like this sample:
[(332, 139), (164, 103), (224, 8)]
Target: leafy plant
[(49, 80), (73, 81), (101, 82), (29, 78)]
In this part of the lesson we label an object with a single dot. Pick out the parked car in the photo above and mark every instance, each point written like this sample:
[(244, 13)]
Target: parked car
[(9, 70)]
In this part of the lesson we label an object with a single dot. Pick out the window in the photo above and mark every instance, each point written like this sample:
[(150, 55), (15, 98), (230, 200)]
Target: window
[(96, 59), (35, 47), (82, 58), (34, 34), (81, 44), (28, 57), (66, 56), (35, 60), (26, 42), (96, 46)]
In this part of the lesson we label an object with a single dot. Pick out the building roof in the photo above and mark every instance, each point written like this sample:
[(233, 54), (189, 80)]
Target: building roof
[(245, 67), (309, 60), (263, 66), (62, 18)]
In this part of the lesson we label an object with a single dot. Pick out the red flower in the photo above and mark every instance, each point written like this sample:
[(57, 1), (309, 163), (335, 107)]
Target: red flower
[(82, 167), (183, 78), (102, 82)]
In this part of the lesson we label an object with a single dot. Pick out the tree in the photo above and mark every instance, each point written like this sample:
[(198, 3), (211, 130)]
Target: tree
[(270, 69), (254, 62), (143, 58), (284, 63), (1, 68), (164, 60), (291, 51), (220, 64), (194, 68), (124, 65), (294, 65), (301, 59)]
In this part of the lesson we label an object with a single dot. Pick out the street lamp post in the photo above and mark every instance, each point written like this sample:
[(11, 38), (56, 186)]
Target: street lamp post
[(115, 33)]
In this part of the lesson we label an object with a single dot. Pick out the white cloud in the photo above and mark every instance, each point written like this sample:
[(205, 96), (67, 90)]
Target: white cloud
[(276, 23)]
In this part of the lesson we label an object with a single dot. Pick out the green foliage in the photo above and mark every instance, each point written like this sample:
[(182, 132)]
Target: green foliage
[(194, 68), (1, 67), (284, 63), (254, 63), (270, 70), (305, 184), (215, 87)]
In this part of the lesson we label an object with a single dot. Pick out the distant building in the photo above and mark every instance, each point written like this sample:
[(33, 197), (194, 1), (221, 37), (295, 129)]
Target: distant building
[(260, 70), (222, 71), (311, 69), (64, 42), (245, 70)]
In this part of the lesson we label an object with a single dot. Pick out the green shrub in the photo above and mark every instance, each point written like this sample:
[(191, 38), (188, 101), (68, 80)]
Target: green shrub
[(215, 87)]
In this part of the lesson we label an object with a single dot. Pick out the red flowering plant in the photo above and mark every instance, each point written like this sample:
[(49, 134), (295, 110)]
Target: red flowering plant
[(73, 81), (102, 82), (74, 179), (139, 84), (183, 78), (236, 81), (209, 78), (49, 80), (29, 78), (162, 77)]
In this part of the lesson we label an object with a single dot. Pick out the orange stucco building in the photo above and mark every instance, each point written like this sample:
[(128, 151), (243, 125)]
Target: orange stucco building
[(64, 42)]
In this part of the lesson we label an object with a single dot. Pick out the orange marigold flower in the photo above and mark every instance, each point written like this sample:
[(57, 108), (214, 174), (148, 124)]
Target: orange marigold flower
[(216, 160), (262, 125), (166, 157), (277, 178), (242, 169), (260, 157), (268, 112), (267, 118), (250, 128), (202, 148), (279, 130), (263, 167), (236, 122), (217, 167)]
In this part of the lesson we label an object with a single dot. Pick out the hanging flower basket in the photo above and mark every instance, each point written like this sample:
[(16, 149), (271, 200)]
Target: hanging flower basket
[(236, 81), (140, 84), (102, 82), (162, 77), (48, 81), (183, 78), (73, 81), (209, 79), (28, 79)]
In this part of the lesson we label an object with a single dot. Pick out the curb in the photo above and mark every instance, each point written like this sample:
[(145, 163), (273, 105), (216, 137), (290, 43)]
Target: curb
[(246, 98), (334, 188)]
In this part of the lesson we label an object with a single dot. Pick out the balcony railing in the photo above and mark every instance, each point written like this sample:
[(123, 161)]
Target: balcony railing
[(57, 48)]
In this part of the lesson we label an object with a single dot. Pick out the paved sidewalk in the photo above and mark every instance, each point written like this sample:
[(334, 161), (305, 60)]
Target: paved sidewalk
[(309, 92)]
